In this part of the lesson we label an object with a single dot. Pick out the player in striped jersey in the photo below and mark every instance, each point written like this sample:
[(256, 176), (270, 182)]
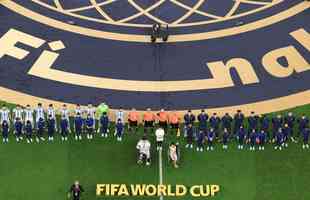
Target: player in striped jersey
[(91, 110), (64, 127), (18, 112), (28, 114), (64, 112), (78, 109), (91, 113), (5, 114), (51, 112), (39, 113), (78, 126), (40, 119), (119, 114), (18, 116)]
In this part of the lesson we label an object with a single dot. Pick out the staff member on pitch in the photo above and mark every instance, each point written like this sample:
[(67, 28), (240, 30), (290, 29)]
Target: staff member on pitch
[(159, 133), (75, 191), (163, 119), (133, 118), (148, 119), (174, 122)]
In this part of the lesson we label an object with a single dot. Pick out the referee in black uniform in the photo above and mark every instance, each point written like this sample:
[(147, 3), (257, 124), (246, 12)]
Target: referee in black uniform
[(75, 191)]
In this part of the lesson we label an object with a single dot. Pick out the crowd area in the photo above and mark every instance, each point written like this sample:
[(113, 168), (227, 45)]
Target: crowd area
[(201, 131)]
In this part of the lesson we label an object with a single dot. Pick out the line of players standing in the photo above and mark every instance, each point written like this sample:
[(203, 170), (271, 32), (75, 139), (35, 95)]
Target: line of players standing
[(28, 122), (260, 130)]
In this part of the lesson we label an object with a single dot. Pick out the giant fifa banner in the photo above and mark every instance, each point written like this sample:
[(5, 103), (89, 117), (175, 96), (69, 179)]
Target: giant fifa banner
[(249, 54)]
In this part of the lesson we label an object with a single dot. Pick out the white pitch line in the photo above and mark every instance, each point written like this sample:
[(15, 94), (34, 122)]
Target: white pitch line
[(160, 171)]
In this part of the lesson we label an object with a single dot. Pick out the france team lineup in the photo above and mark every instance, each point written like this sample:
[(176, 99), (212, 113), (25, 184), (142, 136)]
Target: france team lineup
[(200, 132)]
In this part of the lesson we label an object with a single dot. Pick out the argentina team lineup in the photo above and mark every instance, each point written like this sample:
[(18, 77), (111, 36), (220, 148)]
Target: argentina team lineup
[(154, 99)]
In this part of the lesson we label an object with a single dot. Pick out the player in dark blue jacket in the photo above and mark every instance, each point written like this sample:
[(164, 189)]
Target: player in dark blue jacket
[(253, 138), (89, 124), (225, 138), (5, 131), (119, 130), (305, 134), (78, 126), (262, 139), (253, 121), (64, 128), (287, 132), (104, 125), (203, 119), (189, 118), (290, 119), (28, 131), (226, 122), (215, 124), (51, 127), (238, 121), (211, 137), (279, 139), (240, 137), (18, 129), (265, 123), (277, 122), (190, 136), (303, 123), (40, 130), (200, 140)]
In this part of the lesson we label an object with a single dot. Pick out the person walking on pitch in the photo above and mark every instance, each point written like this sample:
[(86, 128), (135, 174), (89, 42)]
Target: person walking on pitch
[(159, 133)]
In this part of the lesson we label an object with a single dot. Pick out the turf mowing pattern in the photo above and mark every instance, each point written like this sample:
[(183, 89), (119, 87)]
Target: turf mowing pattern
[(45, 171)]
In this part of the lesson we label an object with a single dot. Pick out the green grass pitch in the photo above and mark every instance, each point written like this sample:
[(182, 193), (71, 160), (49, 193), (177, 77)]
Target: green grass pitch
[(45, 171)]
